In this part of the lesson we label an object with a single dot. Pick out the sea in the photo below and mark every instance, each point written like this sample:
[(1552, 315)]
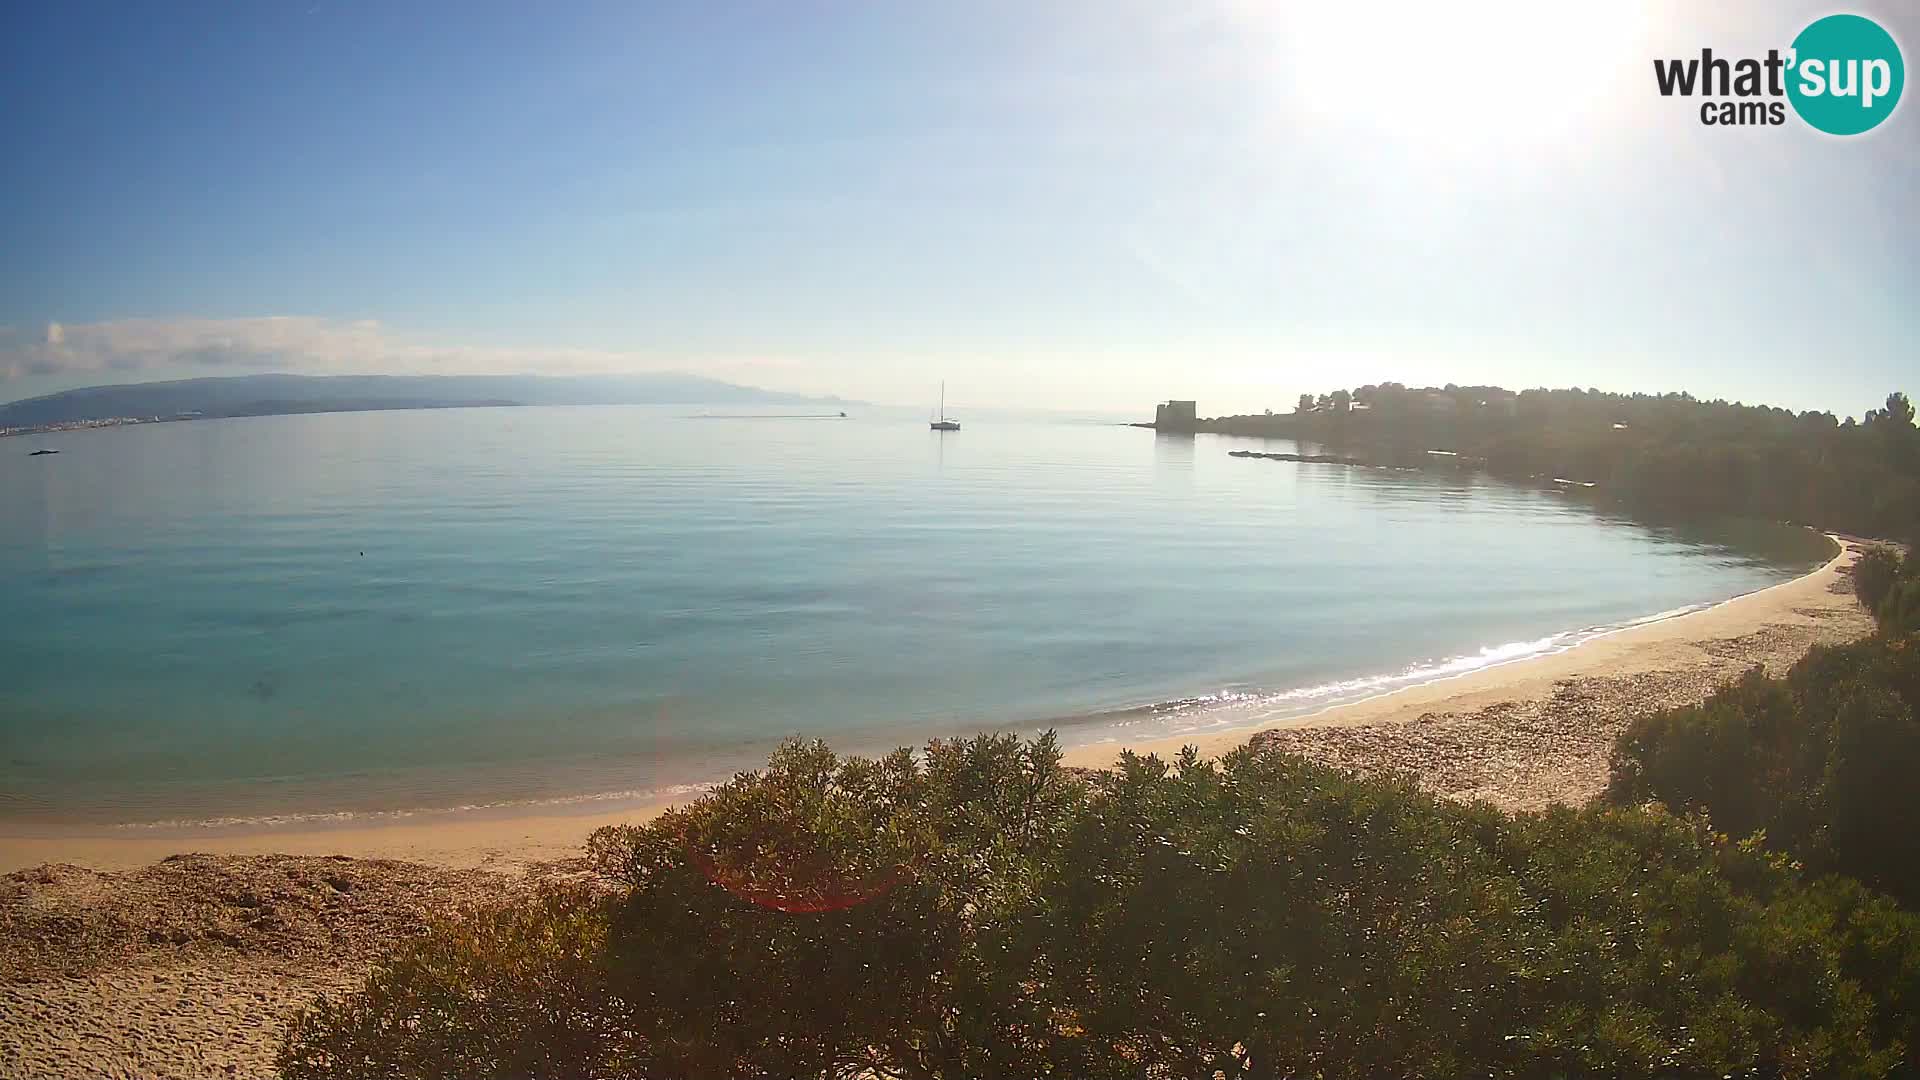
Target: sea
[(361, 616)]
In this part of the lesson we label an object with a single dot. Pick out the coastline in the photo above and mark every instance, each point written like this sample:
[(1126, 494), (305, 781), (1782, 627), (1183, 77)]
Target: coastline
[(1688, 646), (1536, 731), (144, 962)]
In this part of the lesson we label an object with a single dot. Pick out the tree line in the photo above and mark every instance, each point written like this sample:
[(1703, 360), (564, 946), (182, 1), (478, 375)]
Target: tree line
[(1663, 450)]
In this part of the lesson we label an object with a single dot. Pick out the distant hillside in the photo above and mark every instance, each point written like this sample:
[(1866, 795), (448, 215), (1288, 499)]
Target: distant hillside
[(271, 395)]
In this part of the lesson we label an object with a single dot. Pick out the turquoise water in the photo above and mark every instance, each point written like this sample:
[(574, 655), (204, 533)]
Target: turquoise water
[(379, 612)]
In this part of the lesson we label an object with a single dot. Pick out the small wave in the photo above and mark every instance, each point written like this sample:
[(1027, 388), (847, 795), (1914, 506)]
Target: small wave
[(1226, 709), (1659, 616), (1219, 710)]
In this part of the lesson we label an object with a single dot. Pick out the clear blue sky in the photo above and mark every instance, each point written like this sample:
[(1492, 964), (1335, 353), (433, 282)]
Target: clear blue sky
[(1061, 205)]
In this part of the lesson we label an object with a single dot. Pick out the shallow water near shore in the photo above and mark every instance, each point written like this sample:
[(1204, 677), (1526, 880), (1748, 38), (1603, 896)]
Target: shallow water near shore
[(343, 616)]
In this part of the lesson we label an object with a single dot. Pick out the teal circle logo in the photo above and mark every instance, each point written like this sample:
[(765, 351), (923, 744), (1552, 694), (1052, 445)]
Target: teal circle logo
[(1846, 74)]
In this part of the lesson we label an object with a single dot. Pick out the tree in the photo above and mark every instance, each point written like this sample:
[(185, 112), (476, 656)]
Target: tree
[(1341, 401), (1305, 404), (1650, 453), (1875, 574), (1892, 426), (1899, 410)]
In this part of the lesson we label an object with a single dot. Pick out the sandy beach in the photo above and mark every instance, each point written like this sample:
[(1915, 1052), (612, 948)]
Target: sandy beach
[(121, 964), (1537, 731)]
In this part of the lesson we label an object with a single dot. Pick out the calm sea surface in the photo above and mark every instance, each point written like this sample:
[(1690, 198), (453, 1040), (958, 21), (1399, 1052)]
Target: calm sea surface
[(377, 612)]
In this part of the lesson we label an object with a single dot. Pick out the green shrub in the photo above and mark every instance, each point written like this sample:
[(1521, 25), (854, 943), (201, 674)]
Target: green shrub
[(1888, 585), (979, 911), (1875, 573), (1899, 611), (1822, 761), (513, 993), (1272, 918)]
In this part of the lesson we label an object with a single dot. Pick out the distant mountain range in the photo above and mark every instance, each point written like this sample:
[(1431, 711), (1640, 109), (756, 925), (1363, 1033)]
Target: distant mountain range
[(273, 395)]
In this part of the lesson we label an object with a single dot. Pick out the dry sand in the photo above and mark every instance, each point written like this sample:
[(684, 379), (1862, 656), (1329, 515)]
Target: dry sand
[(120, 965), (193, 966), (1537, 731), (503, 842)]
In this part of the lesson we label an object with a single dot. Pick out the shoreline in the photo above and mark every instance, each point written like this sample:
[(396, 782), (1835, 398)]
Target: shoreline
[(1536, 731), (514, 841), (145, 962)]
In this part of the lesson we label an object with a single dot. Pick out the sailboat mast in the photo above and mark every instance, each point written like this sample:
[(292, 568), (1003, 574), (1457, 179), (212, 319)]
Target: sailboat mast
[(940, 421)]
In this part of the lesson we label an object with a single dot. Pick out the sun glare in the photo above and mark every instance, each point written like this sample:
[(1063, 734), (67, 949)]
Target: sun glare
[(1461, 79)]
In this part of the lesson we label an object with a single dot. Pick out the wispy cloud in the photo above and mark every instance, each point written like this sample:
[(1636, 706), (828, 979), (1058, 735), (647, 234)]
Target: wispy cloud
[(297, 343)]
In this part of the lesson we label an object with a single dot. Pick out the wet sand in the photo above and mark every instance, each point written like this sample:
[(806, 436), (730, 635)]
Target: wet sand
[(123, 965)]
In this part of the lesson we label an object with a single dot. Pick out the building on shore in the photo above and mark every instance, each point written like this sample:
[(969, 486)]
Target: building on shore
[(1175, 416)]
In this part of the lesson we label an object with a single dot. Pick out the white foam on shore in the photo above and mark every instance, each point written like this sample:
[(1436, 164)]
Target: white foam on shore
[(1222, 710), (1227, 709)]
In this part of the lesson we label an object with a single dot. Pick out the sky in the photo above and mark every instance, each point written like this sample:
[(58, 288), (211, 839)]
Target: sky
[(1061, 205)]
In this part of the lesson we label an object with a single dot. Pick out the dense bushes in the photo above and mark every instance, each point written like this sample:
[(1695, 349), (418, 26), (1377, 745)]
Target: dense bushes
[(1899, 613), (516, 991), (1875, 573), (1823, 761), (1273, 918), (1888, 584), (979, 911)]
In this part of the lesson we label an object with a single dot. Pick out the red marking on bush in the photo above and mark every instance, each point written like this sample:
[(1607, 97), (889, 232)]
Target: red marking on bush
[(780, 891)]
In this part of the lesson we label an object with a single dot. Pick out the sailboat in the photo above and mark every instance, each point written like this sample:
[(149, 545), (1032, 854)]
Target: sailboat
[(941, 423)]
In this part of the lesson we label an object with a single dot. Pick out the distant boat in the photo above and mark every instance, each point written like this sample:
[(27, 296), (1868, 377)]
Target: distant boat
[(41, 453), (942, 423)]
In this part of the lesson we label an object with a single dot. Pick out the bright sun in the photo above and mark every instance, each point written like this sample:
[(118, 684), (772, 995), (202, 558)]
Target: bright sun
[(1461, 78)]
